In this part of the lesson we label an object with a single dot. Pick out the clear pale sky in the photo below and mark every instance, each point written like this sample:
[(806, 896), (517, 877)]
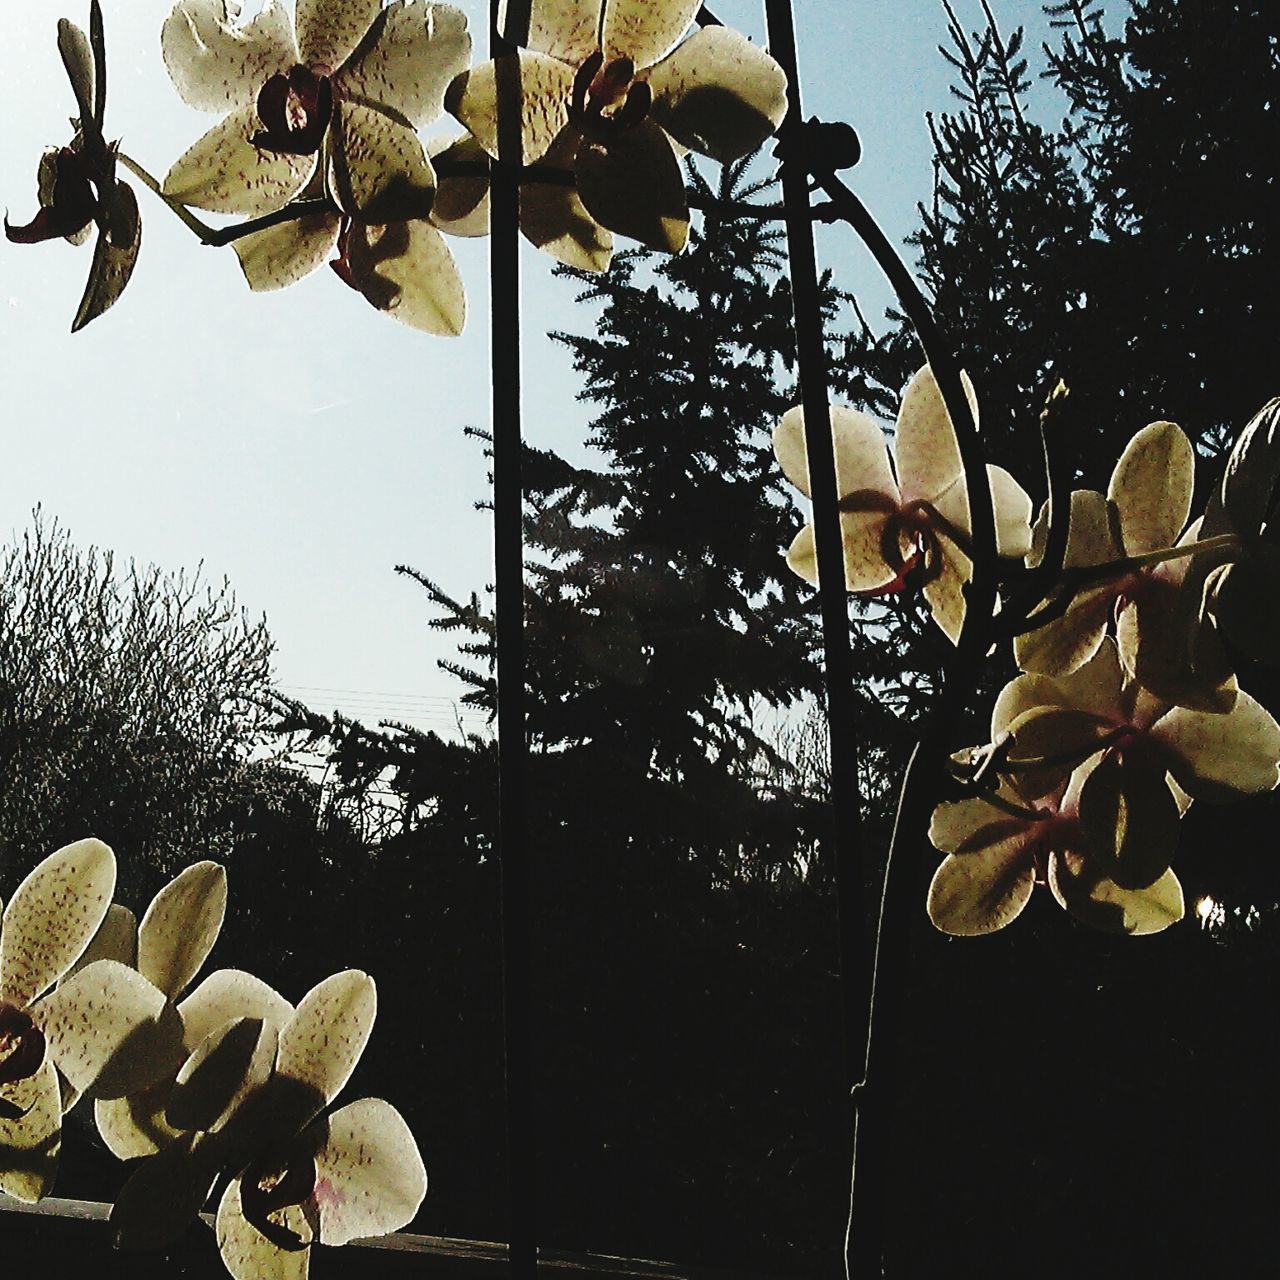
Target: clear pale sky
[(298, 442)]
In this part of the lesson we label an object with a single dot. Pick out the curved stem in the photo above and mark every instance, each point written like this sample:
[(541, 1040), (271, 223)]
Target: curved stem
[(218, 237)]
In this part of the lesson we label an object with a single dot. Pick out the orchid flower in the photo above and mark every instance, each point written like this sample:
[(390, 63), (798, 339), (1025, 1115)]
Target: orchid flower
[(896, 519), (81, 1030), (1146, 759), (339, 89), (1000, 848), (77, 184), (605, 90), (299, 1176), (1142, 514)]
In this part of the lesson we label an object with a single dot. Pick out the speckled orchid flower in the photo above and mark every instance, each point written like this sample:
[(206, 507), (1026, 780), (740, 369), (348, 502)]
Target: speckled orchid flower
[(1135, 762), (912, 516), (608, 92), (1143, 513), (302, 1177), (999, 848), (339, 90), (77, 184), (75, 1030)]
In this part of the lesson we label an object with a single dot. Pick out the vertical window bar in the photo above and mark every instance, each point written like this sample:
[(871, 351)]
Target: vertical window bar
[(842, 717), (513, 846)]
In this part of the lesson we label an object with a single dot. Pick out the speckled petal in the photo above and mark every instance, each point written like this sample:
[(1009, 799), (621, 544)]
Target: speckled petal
[(405, 270), (228, 1066), (1151, 487), (980, 892), (925, 446), (323, 1041), (330, 30), (554, 219), (862, 456), (635, 187), (378, 171), (1102, 904), (227, 994), (1222, 757), (865, 568), (29, 1144), (109, 1030), (134, 1126), (944, 593), (515, 107), (181, 925), (419, 49), (370, 1179), (224, 172), (461, 206), (52, 917), (1066, 643), (565, 29), (719, 94), (247, 1253), (77, 58), (644, 30), (218, 63), (283, 255), (1130, 819), (116, 939)]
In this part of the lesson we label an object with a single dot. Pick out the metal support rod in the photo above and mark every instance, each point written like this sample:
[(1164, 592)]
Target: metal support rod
[(513, 844), (842, 709)]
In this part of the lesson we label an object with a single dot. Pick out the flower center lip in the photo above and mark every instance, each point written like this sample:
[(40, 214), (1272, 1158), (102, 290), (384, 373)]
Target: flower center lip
[(73, 204), (274, 1183), (607, 99), (296, 110), (22, 1044)]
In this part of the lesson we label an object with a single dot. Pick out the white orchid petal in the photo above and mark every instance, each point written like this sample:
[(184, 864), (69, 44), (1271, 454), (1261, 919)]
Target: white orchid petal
[(247, 1253), (30, 1142), (925, 446), (405, 270), (227, 994), (109, 1030), (281, 256), (420, 48), (181, 925), (516, 106), (378, 170), (224, 172), (321, 1044), (370, 1179), (564, 29), (1151, 487), (135, 1126), (52, 917), (329, 31), (644, 30), (719, 94), (218, 63), (635, 187), (861, 453)]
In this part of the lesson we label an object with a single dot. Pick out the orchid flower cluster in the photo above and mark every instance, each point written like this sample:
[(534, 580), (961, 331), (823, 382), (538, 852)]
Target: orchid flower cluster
[(224, 1084), (319, 146), (1127, 709)]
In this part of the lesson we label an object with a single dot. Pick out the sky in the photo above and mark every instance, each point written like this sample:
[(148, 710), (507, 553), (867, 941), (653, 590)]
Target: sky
[(299, 443)]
